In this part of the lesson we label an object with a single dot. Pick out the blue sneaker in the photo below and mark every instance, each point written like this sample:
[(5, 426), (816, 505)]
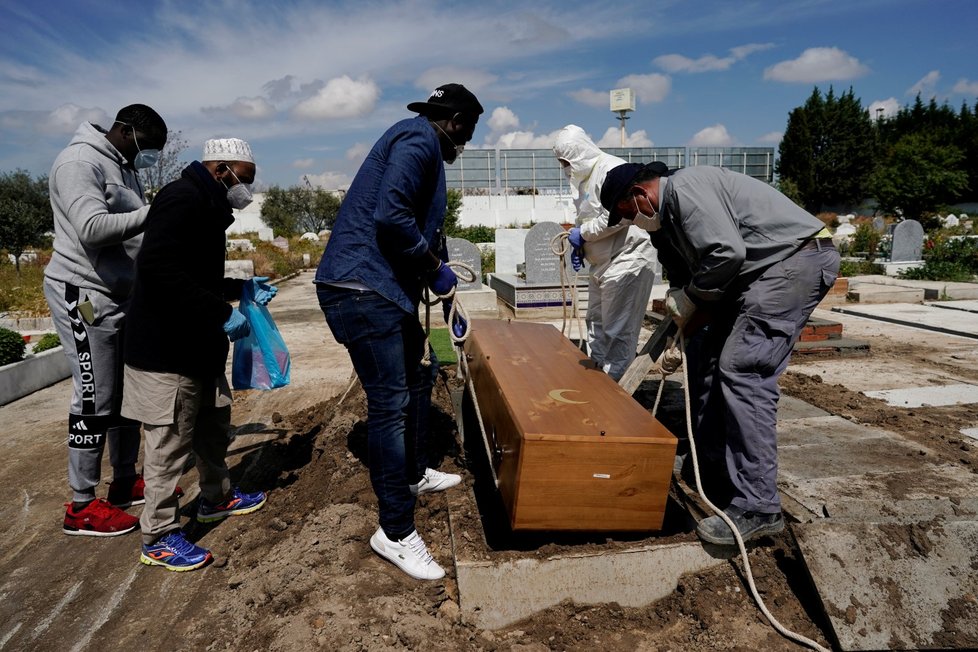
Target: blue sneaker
[(238, 503), (174, 552)]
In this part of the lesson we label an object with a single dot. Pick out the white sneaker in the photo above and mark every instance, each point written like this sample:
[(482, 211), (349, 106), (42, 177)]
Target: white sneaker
[(409, 554), (435, 481)]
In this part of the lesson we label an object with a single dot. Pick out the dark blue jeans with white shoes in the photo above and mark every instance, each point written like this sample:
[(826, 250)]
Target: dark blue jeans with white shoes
[(386, 346)]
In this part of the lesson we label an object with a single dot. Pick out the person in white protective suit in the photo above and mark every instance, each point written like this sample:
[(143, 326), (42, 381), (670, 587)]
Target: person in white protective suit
[(622, 258)]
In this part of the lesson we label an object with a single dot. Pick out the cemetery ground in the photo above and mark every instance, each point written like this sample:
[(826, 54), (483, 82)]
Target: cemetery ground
[(299, 574)]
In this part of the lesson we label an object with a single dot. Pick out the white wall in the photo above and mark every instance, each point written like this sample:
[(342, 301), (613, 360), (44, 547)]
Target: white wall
[(248, 219), (501, 211)]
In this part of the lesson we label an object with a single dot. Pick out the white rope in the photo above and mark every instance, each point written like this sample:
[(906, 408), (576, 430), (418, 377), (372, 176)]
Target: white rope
[(560, 246), (466, 274), (784, 631)]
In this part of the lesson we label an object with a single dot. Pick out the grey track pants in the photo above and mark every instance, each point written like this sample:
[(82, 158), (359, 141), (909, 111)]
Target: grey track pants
[(94, 351), (734, 364)]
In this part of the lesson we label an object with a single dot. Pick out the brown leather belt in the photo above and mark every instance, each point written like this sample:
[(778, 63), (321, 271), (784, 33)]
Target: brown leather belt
[(817, 243)]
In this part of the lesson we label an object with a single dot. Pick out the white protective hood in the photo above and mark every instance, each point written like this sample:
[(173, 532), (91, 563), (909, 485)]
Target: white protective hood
[(611, 251)]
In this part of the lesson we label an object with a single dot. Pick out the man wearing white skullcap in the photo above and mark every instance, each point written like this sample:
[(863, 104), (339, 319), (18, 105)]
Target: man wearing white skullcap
[(181, 323)]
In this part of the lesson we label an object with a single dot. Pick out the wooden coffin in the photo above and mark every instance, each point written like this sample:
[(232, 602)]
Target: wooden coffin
[(572, 450)]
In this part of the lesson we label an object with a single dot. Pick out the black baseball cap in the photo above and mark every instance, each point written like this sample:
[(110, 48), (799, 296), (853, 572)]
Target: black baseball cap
[(448, 99), (620, 179)]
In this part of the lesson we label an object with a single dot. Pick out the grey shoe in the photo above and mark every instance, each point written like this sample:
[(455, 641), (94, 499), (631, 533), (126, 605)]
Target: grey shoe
[(750, 524)]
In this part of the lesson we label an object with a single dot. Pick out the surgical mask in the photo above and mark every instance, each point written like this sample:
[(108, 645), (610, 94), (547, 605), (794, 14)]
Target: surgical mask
[(645, 222), (239, 195), (458, 148), (145, 158), (567, 171)]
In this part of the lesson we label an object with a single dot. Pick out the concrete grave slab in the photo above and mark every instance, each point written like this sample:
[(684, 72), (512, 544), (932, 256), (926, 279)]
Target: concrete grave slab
[(874, 374), (888, 489), (895, 586), (953, 322), (928, 396), (968, 305), (970, 432)]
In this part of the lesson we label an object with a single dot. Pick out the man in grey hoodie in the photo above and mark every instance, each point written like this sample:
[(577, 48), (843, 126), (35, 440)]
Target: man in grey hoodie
[(99, 212)]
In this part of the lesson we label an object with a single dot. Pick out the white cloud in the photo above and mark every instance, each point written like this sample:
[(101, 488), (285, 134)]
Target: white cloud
[(649, 88), (771, 138), (342, 97), (525, 140), (817, 65), (966, 87), (66, 118), (328, 180), (593, 98), (926, 85), (503, 118), (473, 79), (890, 108), (708, 63), (303, 163), (612, 138), (715, 136), (357, 152)]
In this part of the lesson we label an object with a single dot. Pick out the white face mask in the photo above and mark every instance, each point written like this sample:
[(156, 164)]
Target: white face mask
[(567, 171), (649, 223), (145, 158), (458, 148), (239, 195)]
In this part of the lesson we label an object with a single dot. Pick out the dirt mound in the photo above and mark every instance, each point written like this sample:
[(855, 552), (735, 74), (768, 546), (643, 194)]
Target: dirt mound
[(300, 574)]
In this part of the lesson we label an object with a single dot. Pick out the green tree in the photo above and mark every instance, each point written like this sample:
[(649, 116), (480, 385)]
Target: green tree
[(453, 212), (296, 210), (25, 213), (827, 150), (918, 175), (168, 168)]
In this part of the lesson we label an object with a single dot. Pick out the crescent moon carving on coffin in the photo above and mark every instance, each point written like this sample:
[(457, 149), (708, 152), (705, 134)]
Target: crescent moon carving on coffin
[(558, 395)]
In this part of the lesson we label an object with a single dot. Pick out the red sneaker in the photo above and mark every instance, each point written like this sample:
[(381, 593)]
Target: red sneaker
[(98, 519), (127, 492)]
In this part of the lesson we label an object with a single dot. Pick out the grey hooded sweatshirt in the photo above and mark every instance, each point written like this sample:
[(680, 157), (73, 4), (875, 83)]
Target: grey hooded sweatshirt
[(99, 213)]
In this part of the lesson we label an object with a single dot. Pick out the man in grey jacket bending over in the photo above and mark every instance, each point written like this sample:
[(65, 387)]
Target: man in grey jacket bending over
[(99, 211), (756, 264)]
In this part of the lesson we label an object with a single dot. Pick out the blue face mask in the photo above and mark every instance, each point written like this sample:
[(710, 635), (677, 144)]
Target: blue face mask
[(145, 158)]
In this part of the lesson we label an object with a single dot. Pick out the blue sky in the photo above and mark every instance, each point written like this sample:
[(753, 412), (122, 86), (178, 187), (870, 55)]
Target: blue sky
[(313, 84)]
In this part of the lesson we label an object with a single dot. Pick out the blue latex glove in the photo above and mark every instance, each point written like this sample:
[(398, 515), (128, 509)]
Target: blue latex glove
[(459, 325), (576, 241), (263, 291), (236, 326), (442, 280)]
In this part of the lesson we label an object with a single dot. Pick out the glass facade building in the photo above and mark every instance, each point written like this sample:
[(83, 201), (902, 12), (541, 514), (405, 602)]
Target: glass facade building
[(536, 171)]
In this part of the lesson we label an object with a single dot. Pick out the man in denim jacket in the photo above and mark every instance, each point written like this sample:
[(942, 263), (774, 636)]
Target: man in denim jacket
[(386, 245)]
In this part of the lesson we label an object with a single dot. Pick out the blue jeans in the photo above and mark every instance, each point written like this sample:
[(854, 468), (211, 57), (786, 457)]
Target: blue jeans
[(386, 345), (734, 364)]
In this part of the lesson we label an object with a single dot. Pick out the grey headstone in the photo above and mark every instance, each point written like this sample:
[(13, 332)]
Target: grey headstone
[(462, 251), (879, 224), (908, 241), (509, 250), (542, 264)]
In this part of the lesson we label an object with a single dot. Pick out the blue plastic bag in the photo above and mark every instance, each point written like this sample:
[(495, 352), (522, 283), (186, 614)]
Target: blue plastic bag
[(261, 360)]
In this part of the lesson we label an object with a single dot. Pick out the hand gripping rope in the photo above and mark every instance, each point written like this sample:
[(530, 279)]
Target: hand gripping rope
[(784, 631), (466, 274), (560, 247)]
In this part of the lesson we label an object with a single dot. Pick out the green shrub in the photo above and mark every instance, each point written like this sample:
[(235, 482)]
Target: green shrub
[(477, 233), (866, 239), (48, 341), (12, 347), (859, 268), (488, 262), (947, 259)]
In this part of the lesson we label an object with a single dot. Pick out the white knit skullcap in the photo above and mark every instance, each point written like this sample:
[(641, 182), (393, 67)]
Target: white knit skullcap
[(227, 149)]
